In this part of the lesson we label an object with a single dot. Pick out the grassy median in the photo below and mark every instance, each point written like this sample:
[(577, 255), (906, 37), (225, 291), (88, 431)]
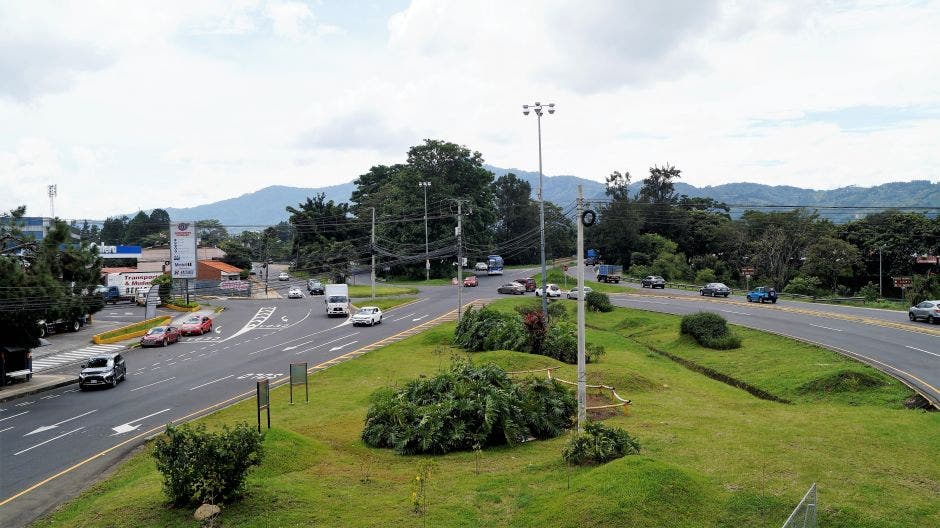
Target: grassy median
[(712, 455), (365, 290)]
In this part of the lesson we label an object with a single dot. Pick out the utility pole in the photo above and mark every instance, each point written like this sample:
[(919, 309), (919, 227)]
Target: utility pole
[(427, 261), (52, 193), (582, 372), (459, 258), (373, 253), (538, 108), (880, 294)]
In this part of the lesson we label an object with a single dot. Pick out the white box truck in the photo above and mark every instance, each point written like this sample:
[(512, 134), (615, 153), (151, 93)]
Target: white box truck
[(337, 300)]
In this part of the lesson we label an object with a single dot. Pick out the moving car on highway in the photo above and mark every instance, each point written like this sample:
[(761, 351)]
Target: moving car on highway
[(367, 315), (295, 293), (512, 288), (715, 289), (315, 287), (528, 283), (573, 294), (928, 311), (283, 276), (480, 266), (196, 325), (471, 281), (762, 294), (551, 290), (653, 281), (104, 369), (160, 336)]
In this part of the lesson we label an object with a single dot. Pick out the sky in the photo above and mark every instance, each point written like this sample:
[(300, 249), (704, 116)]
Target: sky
[(136, 105)]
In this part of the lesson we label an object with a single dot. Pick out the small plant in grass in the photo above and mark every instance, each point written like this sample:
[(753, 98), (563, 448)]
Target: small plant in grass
[(593, 353), (599, 444), (419, 498), (598, 302), (202, 467), (709, 330)]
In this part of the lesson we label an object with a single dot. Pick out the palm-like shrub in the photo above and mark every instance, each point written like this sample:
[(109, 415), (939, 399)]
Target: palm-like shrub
[(464, 407), (599, 444)]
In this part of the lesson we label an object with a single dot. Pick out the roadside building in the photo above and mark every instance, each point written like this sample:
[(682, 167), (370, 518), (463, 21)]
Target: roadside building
[(211, 270), (158, 258)]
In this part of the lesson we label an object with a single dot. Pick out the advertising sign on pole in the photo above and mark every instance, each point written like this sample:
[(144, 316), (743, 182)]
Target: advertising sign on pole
[(183, 250), (298, 376), (903, 282), (264, 400)]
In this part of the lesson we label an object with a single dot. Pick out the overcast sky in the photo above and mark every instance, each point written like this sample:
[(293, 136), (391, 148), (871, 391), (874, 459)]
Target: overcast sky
[(128, 105)]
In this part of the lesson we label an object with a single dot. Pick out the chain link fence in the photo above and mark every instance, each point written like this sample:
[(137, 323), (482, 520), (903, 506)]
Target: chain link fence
[(804, 515)]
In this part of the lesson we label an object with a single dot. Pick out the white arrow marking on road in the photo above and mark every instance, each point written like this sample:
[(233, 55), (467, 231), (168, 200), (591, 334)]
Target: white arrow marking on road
[(14, 416), (128, 427), (47, 441), (53, 426), (342, 346), (327, 343), (420, 318), (921, 350), (218, 329)]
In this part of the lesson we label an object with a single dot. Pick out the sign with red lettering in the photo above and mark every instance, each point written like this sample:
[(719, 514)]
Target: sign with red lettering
[(927, 259), (902, 282)]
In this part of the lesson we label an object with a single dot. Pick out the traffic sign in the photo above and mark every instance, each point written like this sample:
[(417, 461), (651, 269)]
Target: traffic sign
[(747, 271), (903, 282)]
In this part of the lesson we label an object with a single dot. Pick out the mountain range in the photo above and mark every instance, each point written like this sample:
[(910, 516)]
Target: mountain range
[(267, 206)]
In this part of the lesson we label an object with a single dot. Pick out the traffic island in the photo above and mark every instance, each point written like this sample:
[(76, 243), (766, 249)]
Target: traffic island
[(129, 331)]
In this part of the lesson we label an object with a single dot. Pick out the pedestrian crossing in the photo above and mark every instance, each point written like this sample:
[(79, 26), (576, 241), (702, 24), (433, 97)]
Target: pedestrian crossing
[(73, 356)]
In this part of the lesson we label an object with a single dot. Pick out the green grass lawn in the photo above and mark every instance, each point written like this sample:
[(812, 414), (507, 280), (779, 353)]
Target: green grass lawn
[(421, 282), (385, 303), (712, 455), (381, 290)]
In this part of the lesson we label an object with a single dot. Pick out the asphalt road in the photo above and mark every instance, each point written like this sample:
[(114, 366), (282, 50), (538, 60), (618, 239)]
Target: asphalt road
[(55, 443)]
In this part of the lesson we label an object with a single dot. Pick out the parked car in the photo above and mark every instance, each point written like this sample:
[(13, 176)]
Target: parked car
[(551, 290), (471, 281), (295, 293), (527, 283), (573, 294), (315, 287), (104, 369), (512, 288), (928, 311), (715, 289), (762, 294), (653, 281), (367, 315), (481, 266), (283, 276), (196, 325), (51, 326), (160, 336)]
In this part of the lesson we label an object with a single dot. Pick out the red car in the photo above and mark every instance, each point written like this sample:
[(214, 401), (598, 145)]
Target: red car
[(196, 325), (470, 281), (160, 336), (528, 282)]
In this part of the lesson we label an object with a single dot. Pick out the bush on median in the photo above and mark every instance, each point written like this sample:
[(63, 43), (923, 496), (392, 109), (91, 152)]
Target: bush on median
[(599, 444), (709, 330)]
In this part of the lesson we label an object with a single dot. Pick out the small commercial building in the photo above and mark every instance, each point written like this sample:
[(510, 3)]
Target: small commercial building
[(212, 270)]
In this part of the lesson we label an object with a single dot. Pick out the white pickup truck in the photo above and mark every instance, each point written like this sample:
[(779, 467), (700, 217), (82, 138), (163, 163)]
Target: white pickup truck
[(336, 299)]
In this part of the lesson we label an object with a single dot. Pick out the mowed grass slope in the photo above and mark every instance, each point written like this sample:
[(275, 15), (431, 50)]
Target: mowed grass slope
[(712, 455)]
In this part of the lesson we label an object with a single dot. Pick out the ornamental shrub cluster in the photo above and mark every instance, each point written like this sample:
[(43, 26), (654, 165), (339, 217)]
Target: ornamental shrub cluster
[(709, 330), (599, 444), (202, 467), (598, 302), (524, 331), (467, 407)]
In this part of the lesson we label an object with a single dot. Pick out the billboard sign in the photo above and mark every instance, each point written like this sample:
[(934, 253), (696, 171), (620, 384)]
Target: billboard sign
[(926, 259), (119, 252), (183, 250)]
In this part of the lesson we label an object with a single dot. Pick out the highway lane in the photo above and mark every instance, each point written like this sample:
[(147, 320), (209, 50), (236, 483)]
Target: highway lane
[(911, 355), (45, 434)]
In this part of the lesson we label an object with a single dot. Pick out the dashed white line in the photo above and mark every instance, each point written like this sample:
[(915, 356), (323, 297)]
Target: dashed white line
[(14, 416), (733, 312), (152, 384), (825, 327), (922, 350), (211, 382), (7, 429), (47, 441)]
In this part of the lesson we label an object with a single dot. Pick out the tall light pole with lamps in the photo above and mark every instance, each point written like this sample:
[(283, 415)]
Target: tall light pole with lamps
[(539, 108), (427, 262)]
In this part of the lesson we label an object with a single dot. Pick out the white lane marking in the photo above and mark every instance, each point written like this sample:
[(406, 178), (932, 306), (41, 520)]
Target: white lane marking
[(47, 441), (648, 302), (129, 426), (211, 382), (284, 318), (262, 315), (403, 317), (152, 384), (24, 404), (326, 343), (289, 341), (14, 416), (922, 350), (824, 327), (218, 329), (51, 396), (7, 429), (334, 349), (53, 426), (420, 318), (733, 312), (128, 313)]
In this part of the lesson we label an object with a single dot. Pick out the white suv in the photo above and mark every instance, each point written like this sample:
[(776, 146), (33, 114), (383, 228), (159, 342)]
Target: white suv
[(552, 290), (367, 315)]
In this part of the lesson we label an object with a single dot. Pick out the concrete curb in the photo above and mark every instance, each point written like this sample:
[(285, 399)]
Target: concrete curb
[(37, 390)]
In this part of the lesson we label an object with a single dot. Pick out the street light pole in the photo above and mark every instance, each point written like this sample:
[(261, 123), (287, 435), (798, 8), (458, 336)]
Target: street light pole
[(582, 371), (538, 108), (427, 262)]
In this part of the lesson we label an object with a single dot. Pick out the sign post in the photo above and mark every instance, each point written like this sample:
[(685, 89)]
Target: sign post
[(183, 252), (298, 375), (264, 401), (747, 272)]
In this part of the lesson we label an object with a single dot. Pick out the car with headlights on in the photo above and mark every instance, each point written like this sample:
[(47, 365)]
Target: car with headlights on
[(367, 315), (715, 289), (196, 325), (511, 288), (160, 336), (102, 370), (295, 293)]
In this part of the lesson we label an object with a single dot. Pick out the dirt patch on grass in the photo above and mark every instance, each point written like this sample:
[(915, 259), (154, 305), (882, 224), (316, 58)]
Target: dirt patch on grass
[(841, 381), (596, 400)]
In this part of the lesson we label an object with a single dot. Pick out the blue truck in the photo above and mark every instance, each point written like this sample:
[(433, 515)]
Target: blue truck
[(762, 294), (591, 257), (113, 295), (608, 273)]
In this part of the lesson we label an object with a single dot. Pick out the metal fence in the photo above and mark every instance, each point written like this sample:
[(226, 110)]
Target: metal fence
[(804, 515)]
